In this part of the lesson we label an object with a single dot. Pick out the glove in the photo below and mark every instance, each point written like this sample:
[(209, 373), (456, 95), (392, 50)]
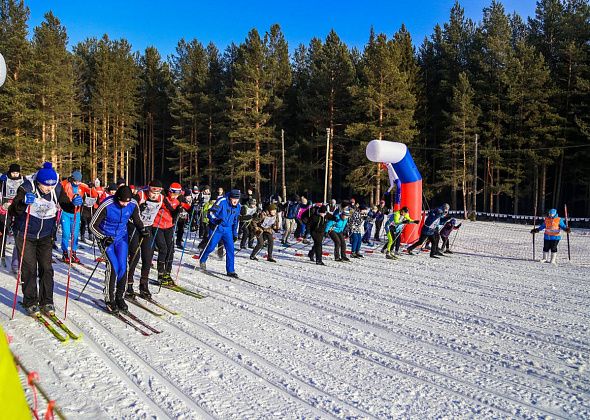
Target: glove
[(406, 221), (416, 222), (29, 198), (107, 241), (235, 238), (568, 229), (144, 233), (77, 201), (534, 230)]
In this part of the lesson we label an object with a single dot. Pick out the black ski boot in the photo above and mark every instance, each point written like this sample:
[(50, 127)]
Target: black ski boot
[(32, 310), (130, 294), (144, 292), (121, 304), (112, 307), (233, 275), (48, 309)]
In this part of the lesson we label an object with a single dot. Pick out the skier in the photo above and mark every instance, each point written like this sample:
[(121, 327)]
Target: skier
[(382, 212), (335, 229), (109, 225), (35, 211), (371, 215), (300, 230), (165, 224), (223, 221), (445, 232), (290, 216), (552, 225), (150, 201), (90, 205), (264, 227), (317, 228), (355, 227), (394, 227), (9, 183), (333, 206), (247, 214), (71, 198), (205, 205), (430, 230), (182, 220)]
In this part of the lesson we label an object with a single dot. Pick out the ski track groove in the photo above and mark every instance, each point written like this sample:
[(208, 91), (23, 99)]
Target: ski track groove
[(446, 312), (360, 320), (179, 393), (261, 360), (375, 360)]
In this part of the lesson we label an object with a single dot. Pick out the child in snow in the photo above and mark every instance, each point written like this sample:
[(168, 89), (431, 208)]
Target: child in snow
[(265, 225), (445, 232), (552, 225)]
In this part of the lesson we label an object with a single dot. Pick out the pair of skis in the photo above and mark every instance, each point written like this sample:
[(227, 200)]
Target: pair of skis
[(44, 321), (129, 319)]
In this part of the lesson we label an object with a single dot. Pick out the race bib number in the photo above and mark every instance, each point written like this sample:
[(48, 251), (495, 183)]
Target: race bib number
[(148, 214)]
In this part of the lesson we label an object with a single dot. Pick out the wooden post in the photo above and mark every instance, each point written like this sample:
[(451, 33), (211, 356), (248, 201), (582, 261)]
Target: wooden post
[(283, 163)]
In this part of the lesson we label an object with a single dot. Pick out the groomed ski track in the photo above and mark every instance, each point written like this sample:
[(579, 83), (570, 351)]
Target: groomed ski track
[(483, 333)]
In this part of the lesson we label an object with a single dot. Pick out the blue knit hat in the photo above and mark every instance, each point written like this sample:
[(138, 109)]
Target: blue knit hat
[(77, 176), (47, 175), (235, 194)]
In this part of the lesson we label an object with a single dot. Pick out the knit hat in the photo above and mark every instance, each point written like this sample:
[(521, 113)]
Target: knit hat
[(235, 194), (175, 188), (252, 202), (77, 176), (124, 193), (346, 212), (14, 167), (121, 181), (112, 187), (323, 209), (47, 175), (97, 182)]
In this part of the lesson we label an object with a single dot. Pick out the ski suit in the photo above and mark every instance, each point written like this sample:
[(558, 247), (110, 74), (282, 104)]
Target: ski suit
[(223, 222)]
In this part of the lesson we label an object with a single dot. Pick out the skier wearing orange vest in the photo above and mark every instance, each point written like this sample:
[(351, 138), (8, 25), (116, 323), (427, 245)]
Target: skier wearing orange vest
[(552, 225)]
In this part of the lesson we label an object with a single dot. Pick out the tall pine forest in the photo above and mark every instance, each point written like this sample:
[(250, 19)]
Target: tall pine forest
[(495, 112)]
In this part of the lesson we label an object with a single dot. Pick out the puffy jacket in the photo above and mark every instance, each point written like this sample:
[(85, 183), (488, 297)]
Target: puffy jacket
[(356, 222), (111, 219), (224, 215), (432, 221), (337, 226), (43, 213)]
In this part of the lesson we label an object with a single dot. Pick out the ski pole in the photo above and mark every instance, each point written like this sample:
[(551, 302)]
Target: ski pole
[(455, 238), (208, 241), (567, 225), (184, 244), (20, 264), (4, 231), (70, 264)]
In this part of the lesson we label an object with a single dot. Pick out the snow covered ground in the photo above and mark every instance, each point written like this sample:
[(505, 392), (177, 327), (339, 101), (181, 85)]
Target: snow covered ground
[(485, 333)]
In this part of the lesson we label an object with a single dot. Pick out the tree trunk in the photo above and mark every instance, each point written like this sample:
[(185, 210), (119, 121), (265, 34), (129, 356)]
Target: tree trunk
[(543, 186), (464, 177), (210, 154)]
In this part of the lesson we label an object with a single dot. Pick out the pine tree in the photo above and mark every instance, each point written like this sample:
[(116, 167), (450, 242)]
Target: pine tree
[(250, 115), (16, 112)]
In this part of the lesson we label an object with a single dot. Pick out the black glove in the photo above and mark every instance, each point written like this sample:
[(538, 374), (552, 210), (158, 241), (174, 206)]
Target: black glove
[(416, 222), (534, 230), (458, 226), (405, 221), (107, 241), (145, 232), (567, 229)]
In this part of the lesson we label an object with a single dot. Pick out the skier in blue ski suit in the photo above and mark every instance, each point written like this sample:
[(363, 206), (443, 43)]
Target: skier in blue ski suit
[(223, 223), (109, 225)]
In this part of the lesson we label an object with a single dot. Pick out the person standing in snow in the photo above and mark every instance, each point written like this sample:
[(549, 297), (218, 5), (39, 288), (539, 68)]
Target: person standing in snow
[(355, 227), (335, 230), (290, 219), (9, 184), (150, 201), (317, 227), (36, 199), (71, 199), (247, 214), (109, 225), (552, 225), (223, 221), (430, 230), (394, 227), (445, 232), (264, 227)]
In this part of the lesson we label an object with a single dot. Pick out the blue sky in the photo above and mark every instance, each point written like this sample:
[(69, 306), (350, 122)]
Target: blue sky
[(163, 23)]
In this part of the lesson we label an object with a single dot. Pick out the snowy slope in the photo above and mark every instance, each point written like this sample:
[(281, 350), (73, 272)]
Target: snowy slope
[(485, 333)]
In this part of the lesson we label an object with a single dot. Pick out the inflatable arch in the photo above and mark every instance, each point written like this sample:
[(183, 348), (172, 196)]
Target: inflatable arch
[(2, 70), (405, 175)]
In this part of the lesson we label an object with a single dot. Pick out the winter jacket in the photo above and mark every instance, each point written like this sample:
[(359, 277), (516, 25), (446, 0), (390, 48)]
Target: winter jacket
[(397, 222), (447, 229), (292, 210), (224, 216), (43, 212), (111, 219), (264, 222), (149, 209), (169, 212), (433, 219), (337, 226), (356, 222), (317, 223), (552, 227), (68, 192), (247, 213)]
